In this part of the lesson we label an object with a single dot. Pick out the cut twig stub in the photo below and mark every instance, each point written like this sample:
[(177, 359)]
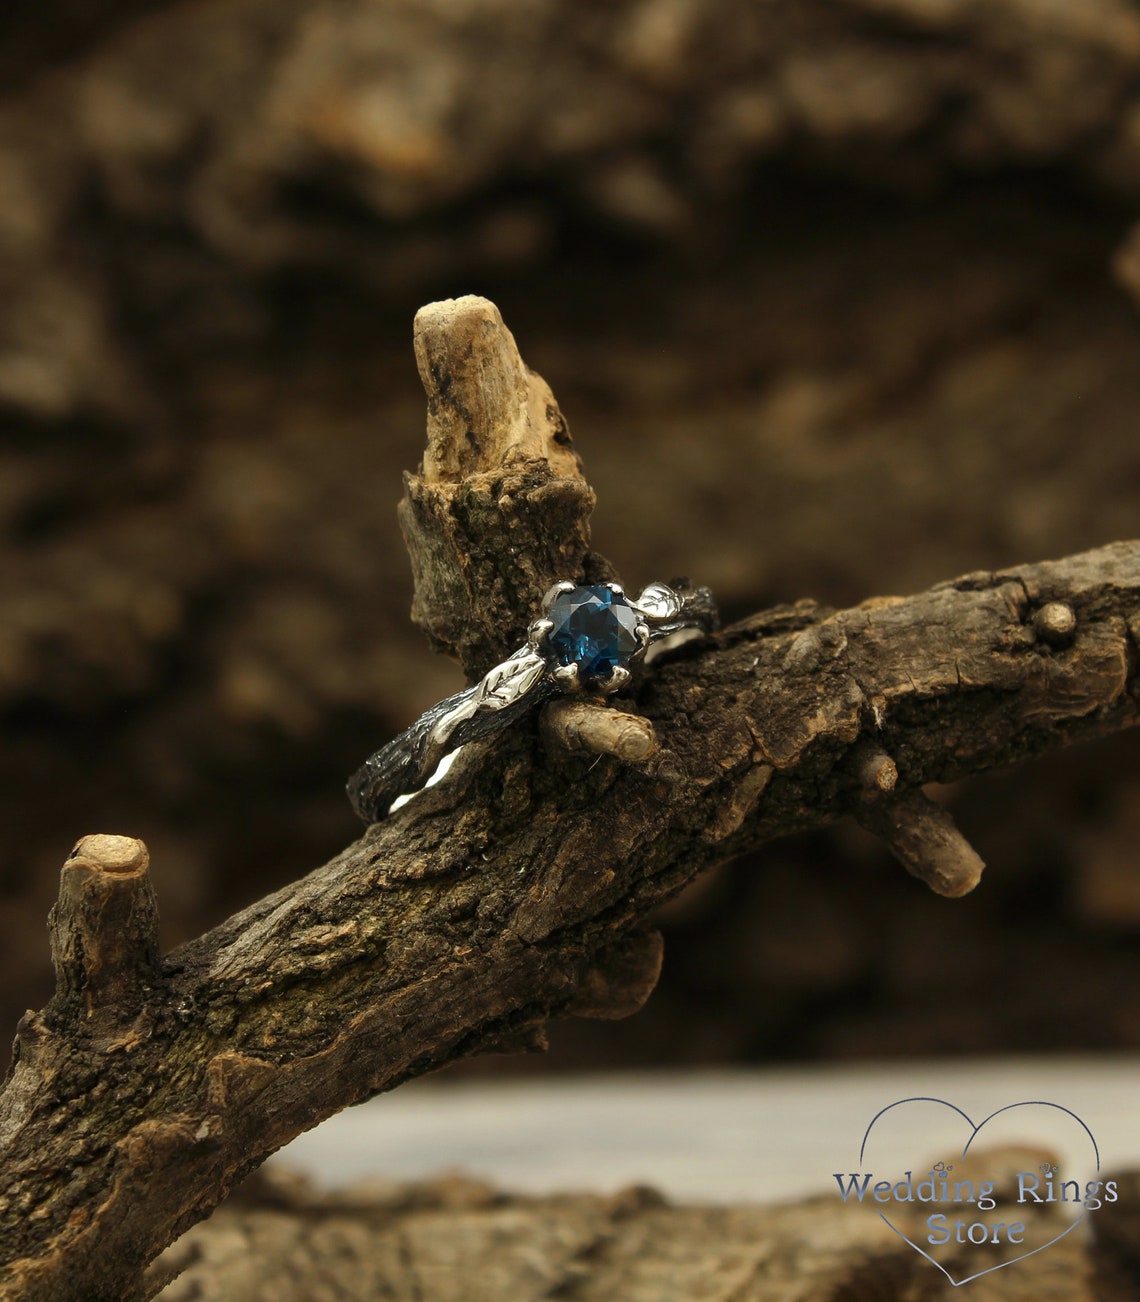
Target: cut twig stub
[(585, 728), (1055, 622), (877, 771), (620, 977), (926, 841), (104, 926)]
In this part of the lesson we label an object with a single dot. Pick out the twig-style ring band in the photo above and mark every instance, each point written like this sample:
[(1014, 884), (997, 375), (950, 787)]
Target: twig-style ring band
[(584, 641)]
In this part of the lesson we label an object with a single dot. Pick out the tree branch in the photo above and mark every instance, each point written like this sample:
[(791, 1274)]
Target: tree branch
[(518, 889)]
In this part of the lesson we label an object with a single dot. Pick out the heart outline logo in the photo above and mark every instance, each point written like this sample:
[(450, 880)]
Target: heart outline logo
[(974, 1129)]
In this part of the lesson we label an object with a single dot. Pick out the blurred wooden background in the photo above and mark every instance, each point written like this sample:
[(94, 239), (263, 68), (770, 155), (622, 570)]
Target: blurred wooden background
[(834, 297)]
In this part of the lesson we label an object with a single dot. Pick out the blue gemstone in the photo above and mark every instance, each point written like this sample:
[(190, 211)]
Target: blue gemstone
[(593, 629)]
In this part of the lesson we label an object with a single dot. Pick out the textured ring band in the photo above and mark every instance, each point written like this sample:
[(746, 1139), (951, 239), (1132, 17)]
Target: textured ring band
[(584, 641)]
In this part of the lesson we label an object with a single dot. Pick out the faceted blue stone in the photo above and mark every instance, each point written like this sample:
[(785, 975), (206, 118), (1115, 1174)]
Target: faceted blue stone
[(593, 629)]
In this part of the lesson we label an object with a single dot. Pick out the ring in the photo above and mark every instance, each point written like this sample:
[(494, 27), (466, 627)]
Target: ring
[(584, 641)]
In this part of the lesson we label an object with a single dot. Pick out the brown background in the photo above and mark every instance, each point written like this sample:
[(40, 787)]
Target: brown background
[(834, 298)]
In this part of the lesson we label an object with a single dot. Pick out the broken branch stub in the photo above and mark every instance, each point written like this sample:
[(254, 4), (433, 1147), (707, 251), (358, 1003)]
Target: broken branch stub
[(499, 509)]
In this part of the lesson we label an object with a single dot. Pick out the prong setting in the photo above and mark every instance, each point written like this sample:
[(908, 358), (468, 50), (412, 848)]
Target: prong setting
[(536, 633), (567, 678), (618, 678), (555, 590)]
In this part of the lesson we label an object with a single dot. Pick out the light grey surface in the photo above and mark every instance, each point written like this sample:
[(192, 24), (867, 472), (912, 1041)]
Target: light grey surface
[(747, 1135)]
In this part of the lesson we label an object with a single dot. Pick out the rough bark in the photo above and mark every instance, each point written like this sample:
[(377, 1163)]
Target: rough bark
[(517, 890)]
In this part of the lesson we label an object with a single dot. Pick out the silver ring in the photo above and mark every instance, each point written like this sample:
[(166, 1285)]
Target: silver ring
[(584, 641)]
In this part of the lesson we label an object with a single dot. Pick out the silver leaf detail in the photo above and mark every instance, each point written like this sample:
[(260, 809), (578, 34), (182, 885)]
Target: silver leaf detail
[(658, 602), (504, 684)]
